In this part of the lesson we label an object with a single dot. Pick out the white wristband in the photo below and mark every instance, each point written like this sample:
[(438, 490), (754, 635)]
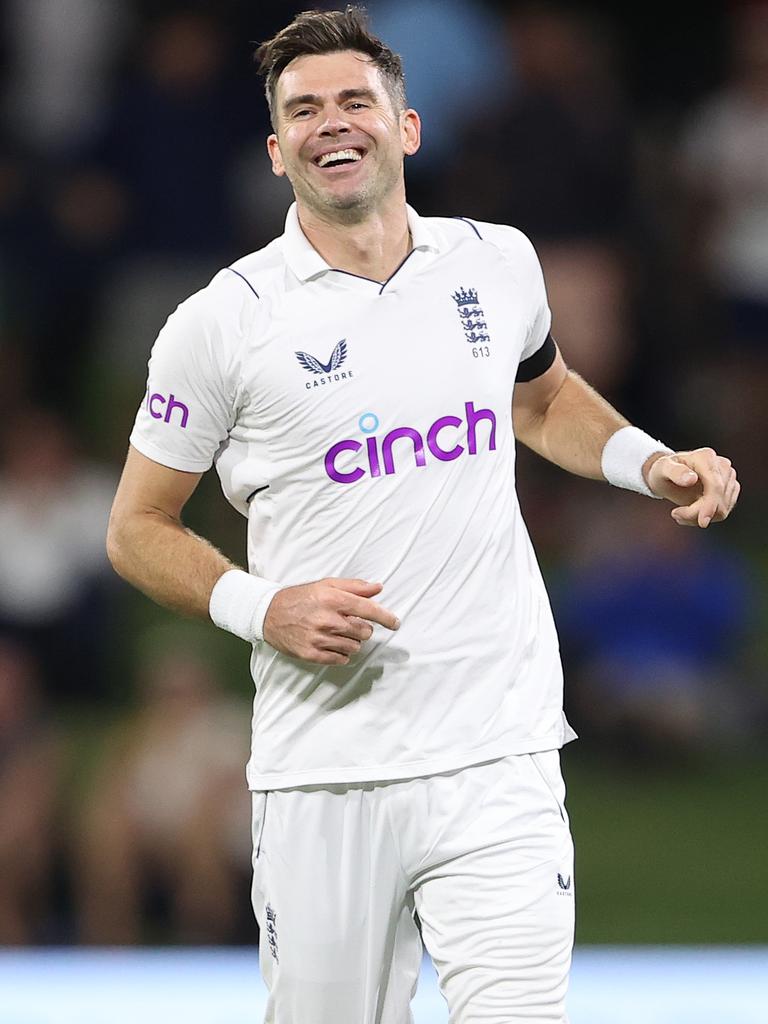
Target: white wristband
[(624, 455), (239, 603)]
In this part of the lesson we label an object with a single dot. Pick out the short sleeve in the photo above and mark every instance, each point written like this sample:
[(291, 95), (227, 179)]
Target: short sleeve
[(189, 404), (526, 269), (540, 314)]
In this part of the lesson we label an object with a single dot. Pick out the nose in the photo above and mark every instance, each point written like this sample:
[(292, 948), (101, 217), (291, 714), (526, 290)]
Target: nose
[(334, 124)]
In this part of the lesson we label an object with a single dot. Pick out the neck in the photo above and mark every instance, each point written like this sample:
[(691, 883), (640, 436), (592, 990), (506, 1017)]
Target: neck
[(373, 247)]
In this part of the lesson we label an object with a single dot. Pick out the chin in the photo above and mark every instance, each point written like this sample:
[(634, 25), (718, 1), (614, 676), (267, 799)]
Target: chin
[(352, 203)]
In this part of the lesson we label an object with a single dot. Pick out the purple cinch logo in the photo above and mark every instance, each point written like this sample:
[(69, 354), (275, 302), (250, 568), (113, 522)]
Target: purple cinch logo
[(380, 457), (162, 408)]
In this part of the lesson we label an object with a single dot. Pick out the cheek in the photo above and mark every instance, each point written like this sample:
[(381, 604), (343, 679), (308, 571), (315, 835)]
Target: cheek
[(298, 152), (290, 146)]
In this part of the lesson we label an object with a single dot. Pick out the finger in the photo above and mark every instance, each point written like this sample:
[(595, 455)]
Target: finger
[(689, 515), (328, 658), (679, 473), (364, 608), (317, 654), (353, 627), (732, 495), (729, 497), (717, 478), (713, 489), (685, 515), (364, 588), (339, 645)]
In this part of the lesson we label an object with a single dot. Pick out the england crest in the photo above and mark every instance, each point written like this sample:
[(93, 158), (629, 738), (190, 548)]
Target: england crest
[(471, 316)]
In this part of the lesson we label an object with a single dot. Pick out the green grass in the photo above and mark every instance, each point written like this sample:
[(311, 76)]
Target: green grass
[(676, 855)]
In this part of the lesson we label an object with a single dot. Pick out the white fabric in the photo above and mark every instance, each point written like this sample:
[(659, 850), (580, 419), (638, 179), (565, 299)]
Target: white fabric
[(280, 371), (239, 603), (624, 455), (483, 854)]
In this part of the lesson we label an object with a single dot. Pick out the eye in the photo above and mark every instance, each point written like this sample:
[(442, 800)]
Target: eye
[(303, 112), (357, 105)]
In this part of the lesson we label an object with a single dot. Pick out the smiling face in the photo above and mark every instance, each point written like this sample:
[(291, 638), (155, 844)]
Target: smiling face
[(338, 136)]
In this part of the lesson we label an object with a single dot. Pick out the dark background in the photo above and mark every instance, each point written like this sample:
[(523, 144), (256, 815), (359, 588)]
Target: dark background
[(631, 146)]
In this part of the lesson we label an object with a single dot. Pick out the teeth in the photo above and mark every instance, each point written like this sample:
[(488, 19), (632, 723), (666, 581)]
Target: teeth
[(342, 154)]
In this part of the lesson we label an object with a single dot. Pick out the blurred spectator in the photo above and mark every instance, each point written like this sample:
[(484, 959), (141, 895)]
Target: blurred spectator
[(75, 258), (725, 157), (655, 621), (30, 755), (168, 813), (178, 130), (61, 61), (16, 216), (54, 508), (60, 236), (553, 159), (177, 124)]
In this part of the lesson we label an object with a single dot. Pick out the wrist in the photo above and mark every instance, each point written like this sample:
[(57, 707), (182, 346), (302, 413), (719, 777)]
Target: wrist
[(627, 458), (646, 470), (239, 603)]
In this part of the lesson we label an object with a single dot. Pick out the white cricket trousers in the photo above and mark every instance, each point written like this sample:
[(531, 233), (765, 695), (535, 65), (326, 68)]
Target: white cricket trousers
[(482, 854)]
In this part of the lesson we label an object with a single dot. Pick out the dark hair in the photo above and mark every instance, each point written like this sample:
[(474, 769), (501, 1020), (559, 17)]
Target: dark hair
[(318, 32)]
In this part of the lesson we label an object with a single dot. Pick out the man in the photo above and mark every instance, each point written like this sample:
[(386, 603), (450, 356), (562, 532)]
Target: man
[(353, 383)]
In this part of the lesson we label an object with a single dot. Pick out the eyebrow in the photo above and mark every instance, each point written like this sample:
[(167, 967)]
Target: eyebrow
[(314, 99)]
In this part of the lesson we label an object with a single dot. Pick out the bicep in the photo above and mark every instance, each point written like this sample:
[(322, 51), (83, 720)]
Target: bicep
[(532, 398), (147, 486)]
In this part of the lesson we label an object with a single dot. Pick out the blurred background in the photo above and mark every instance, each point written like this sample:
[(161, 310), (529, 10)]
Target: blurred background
[(634, 153)]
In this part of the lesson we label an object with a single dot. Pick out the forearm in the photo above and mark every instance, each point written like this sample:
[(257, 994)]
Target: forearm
[(166, 561), (573, 429)]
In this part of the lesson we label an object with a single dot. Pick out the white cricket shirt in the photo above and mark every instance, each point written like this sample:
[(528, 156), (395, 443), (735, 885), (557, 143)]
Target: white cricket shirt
[(365, 430)]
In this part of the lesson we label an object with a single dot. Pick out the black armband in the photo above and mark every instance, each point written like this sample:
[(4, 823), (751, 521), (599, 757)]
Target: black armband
[(538, 363)]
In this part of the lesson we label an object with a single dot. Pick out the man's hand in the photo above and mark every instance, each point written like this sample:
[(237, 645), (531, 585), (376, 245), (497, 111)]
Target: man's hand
[(701, 484), (327, 621)]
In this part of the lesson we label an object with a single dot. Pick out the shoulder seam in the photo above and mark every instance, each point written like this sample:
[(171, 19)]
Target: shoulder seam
[(471, 224), (245, 279), (501, 251)]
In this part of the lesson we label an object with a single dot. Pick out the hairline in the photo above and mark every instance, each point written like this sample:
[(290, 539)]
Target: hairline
[(392, 87)]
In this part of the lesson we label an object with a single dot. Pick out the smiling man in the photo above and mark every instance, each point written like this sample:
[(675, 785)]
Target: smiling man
[(360, 384)]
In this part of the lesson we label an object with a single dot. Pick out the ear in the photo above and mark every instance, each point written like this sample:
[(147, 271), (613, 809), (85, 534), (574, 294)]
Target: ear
[(410, 131), (273, 148)]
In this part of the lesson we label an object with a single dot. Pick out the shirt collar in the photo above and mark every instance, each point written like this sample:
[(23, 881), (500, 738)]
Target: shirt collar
[(306, 262)]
